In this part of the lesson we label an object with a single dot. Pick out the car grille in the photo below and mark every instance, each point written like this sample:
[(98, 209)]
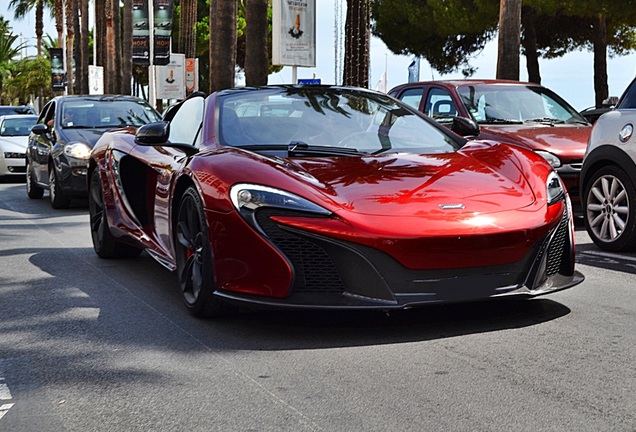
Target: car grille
[(557, 243), (314, 270)]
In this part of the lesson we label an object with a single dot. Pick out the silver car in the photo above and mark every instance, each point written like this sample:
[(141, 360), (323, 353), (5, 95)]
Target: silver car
[(14, 136), (608, 177)]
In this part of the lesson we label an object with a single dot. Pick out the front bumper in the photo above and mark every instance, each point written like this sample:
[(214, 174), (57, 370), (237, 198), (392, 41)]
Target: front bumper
[(12, 166), (330, 273)]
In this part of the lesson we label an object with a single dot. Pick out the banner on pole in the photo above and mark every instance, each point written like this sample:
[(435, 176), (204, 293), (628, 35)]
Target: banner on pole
[(294, 32), (163, 30), (141, 33), (57, 68), (170, 79)]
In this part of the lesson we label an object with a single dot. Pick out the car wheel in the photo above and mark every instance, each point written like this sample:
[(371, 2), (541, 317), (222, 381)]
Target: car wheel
[(194, 258), (610, 209), (58, 199), (33, 190), (105, 244)]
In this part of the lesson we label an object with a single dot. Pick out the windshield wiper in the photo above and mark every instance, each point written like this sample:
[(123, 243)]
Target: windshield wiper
[(500, 121), (546, 120), (298, 148)]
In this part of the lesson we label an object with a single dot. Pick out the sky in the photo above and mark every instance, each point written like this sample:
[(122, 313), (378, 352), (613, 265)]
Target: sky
[(571, 76)]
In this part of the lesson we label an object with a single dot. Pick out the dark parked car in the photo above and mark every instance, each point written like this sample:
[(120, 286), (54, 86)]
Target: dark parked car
[(328, 197), (16, 109), (523, 114), (61, 142), (592, 114)]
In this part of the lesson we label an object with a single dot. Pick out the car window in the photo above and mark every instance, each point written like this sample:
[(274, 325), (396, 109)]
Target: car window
[(17, 126), (186, 122), (106, 113), (412, 97), (48, 114), (440, 106), (629, 98)]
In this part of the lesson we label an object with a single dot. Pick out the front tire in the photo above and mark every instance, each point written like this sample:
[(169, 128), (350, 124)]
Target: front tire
[(194, 258), (105, 244), (58, 199), (610, 210), (33, 190)]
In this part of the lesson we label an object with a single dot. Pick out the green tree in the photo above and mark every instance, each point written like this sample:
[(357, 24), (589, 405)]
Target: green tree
[(9, 51), (446, 34), (30, 77), (21, 9)]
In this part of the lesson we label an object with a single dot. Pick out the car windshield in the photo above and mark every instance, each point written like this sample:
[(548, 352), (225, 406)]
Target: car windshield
[(10, 110), (106, 113), (509, 104), (326, 120), (17, 126)]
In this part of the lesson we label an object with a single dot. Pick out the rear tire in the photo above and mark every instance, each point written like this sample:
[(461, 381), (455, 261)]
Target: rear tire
[(194, 258), (58, 199), (610, 210), (105, 244), (33, 190)]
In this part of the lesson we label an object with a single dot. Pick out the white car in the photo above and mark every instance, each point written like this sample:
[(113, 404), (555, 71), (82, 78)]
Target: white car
[(14, 137), (608, 177)]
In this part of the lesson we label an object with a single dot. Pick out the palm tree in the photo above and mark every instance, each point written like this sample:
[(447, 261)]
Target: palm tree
[(8, 52), (222, 44), (127, 30), (110, 81), (71, 11), (357, 42), (256, 50), (22, 9)]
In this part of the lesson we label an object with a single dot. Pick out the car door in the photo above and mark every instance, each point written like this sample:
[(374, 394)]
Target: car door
[(39, 147), (165, 163)]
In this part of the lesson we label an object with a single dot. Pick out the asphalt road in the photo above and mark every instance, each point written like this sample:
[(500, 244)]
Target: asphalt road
[(100, 345)]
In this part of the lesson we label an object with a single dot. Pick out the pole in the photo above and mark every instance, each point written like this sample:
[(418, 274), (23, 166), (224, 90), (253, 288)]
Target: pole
[(294, 74), (152, 98)]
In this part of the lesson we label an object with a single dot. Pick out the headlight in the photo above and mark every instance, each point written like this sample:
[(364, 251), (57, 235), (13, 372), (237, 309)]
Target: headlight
[(555, 190), (77, 151), (13, 155), (247, 198), (552, 159)]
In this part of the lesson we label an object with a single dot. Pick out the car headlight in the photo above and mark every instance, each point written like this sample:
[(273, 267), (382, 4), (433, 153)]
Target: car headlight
[(14, 155), (552, 159), (77, 151), (554, 187), (247, 198)]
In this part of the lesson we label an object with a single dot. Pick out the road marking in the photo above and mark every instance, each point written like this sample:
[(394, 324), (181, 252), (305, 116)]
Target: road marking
[(5, 409)]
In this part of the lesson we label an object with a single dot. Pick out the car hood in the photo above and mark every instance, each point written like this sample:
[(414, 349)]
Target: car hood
[(406, 184), (16, 144), (566, 141), (87, 136)]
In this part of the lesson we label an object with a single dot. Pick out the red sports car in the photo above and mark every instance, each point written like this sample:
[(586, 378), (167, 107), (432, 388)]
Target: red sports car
[(334, 197)]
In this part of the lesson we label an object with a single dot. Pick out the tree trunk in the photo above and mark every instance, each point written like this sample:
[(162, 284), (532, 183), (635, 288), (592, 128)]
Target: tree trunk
[(222, 44), (529, 42), (601, 89), (77, 48), (39, 25), (509, 39), (71, 11), (256, 52), (119, 77), (357, 43), (126, 61), (110, 72), (59, 22), (84, 46), (187, 22)]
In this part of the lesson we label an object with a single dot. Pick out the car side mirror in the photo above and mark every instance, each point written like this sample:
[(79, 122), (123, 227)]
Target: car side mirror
[(465, 127), (40, 129), (153, 133)]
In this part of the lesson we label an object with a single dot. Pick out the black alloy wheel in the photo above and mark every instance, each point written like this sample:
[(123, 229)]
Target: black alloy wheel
[(194, 258), (33, 190), (105, 244), (610, 210), (58, 199)]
